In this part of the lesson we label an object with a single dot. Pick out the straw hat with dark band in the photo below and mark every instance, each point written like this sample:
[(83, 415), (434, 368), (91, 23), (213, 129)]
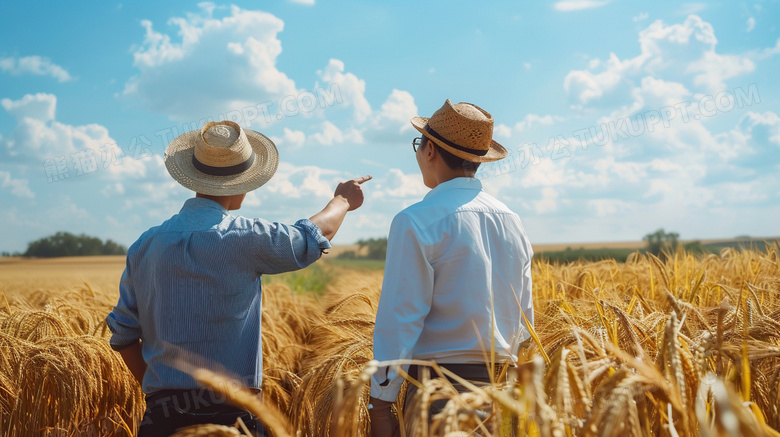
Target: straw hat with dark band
[(221, 159), (463, 129)]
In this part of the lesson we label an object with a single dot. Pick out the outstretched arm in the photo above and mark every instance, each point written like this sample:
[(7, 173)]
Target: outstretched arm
[(347, 197)]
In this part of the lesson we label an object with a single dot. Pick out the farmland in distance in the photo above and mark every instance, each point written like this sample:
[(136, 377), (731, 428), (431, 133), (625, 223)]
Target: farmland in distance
[(687, 345)]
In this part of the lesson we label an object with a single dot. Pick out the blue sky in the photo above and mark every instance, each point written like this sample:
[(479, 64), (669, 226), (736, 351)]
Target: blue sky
[(620, 118)]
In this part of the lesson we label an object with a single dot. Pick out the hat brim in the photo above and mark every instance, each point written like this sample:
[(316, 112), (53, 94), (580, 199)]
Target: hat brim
[(178, 161), (496, 151)]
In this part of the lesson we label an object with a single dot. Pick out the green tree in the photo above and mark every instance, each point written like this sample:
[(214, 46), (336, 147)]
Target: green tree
[(660, 242), (67, 244), (377, 247), (374, 248)]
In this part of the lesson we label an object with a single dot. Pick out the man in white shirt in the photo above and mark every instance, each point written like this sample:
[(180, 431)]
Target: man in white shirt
[(458, 270)]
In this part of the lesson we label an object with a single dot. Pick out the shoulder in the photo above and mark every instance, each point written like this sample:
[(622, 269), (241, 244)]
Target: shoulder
[(411, 216), (493, 203), (240, 222), (238, 227), (144, 238)]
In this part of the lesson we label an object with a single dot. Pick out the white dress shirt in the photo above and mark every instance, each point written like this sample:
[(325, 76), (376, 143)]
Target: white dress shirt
[(458, 270)]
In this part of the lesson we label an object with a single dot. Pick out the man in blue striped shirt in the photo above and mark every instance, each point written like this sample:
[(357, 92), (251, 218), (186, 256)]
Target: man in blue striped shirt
[(191, 289)]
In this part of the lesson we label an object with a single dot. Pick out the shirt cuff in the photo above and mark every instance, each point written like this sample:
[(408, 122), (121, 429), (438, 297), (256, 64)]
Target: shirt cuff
[(119, 347), (314, 231), (388, 392), (121, 335)]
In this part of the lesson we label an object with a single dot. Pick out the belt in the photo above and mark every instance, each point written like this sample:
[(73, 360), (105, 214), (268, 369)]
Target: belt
[(475, 372), (198, 402)]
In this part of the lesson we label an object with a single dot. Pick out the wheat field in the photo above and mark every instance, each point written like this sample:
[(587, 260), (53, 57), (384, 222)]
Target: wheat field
[(676, 347)]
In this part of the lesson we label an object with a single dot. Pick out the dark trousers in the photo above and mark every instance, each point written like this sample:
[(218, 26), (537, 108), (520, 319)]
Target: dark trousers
[(169, 410), (475, 373)]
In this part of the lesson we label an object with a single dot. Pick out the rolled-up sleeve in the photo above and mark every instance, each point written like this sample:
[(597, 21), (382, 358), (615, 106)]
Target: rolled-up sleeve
[(280, 248), (314, 232), (122, 321)]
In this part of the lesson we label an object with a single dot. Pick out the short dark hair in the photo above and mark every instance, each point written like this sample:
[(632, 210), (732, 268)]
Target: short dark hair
[(452, 161)]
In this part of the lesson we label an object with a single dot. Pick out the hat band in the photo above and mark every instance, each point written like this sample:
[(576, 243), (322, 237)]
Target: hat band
[(453, 145), (223, 171)]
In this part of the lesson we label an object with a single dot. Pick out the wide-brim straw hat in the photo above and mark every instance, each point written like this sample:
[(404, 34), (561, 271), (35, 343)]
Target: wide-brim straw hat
[(221, 159), (463, 129)]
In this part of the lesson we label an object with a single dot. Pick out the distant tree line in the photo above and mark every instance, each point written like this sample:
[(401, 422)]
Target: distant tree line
[(660, 243), (581, 254), (67, 244), (372, 248)]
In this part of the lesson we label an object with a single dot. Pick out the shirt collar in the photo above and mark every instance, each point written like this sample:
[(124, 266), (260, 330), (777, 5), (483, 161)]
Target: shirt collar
[(202, 203), (455, 184)]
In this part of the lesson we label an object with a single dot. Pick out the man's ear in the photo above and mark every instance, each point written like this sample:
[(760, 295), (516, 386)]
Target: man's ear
[(431, 151)]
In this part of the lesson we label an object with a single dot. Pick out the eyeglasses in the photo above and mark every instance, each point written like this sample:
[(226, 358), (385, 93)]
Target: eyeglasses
[(417, 142)]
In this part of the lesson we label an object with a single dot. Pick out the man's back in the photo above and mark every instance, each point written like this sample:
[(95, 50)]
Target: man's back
[(196, 281), (458, 273), (481, 261), (191, 291)]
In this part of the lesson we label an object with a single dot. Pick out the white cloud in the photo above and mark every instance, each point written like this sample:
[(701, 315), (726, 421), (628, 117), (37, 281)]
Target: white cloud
[(607, 207), (632, 172), (657, 93), (641, 17), (304, 2), (125, 221), (351, 87), (292, 139), (18, 187), (35, 65), (397, 184), (651, 94), (676, 52), (39, 106), (750, 143), (586, 86), (659, 187), (546, 173), (577, 5), (672, 174), (390, 124), (299, 182), (502, 130), (151, 167), (66, 211), (397, 110), (751, 24), (713, 69), (531, 120), (736, 193), (155, 198), (38, 139), (661, 165), (691, 8), (252, 199), (115, 189), (765, 53), (234, 57), (331, 135), (67, 151), (548, 202)]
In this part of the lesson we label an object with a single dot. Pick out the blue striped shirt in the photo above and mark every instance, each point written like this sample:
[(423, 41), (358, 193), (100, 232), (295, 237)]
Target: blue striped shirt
[(191, 290)]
